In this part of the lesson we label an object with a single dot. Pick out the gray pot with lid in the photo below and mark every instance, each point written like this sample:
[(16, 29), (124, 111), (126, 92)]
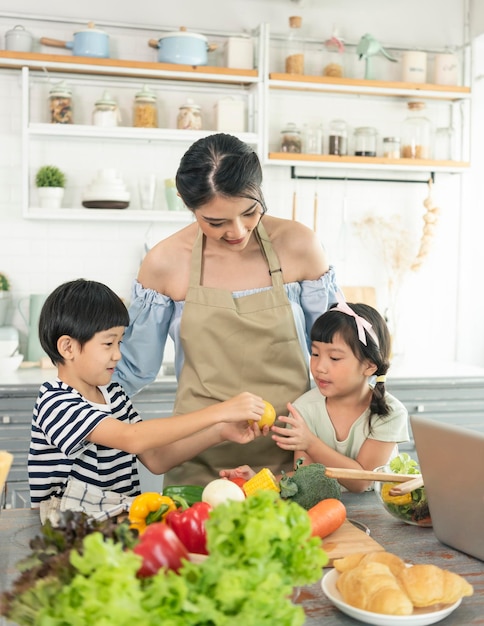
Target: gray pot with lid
[(19, 39)]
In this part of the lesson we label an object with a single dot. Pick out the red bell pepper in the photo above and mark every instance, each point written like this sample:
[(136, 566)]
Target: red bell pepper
[(160, 547), (189, 526)]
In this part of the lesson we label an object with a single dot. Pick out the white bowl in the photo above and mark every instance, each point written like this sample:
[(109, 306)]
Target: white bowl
[(10, 363)]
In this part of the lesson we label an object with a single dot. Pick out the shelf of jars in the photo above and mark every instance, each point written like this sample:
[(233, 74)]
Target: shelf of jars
[(360, 86), (365, 162), (126, 68)]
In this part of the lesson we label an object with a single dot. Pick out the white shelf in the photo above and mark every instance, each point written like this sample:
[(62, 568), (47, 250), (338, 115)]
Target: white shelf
[(85, 131), (109, 215)]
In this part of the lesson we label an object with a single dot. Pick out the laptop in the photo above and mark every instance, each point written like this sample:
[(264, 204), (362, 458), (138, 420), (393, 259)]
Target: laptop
[(451, 460)]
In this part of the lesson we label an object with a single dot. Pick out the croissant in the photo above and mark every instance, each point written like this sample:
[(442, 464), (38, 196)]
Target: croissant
[(372, 587), (428, 584), (395, 563)]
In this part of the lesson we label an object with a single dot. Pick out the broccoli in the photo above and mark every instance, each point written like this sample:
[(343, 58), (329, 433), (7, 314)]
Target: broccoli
[(309, 485)]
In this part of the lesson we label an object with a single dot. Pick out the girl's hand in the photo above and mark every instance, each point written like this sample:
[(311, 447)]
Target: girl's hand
[(243, 471), (297, 437)]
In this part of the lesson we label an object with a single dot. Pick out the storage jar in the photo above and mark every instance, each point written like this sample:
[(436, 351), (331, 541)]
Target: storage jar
[(291, 139), (338, 138), (189, 116), (60, 104), (106, 112), (239, 52), (416, 133), (230, 115), (365, 141), (294, 54), (145, 109), (391, 147)]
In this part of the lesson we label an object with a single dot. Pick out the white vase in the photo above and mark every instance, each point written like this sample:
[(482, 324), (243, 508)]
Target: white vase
[(4, 306), (50, 197)]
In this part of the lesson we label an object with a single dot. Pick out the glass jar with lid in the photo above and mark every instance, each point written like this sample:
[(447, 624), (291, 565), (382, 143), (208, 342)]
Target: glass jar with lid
[(60, 104), (145, 109), (365, 141), (189, 116), (338, 138), (391, 147), (291, 139), (416, 133), (106, 111), (294, 53)]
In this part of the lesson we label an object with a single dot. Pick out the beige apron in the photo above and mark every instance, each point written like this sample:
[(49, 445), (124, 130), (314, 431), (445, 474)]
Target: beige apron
[(233, 345)]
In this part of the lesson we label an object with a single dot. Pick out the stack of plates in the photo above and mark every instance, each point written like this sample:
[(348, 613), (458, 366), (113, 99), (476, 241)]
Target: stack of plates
[(107, 191)]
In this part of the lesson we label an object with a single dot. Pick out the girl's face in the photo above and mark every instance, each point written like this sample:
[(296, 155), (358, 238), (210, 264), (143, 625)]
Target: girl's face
[(229, 221), (336, 370), (93, 364)]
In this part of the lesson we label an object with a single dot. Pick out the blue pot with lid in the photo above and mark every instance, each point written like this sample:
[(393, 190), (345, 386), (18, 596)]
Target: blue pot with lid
[(182, 47), (88, 42)]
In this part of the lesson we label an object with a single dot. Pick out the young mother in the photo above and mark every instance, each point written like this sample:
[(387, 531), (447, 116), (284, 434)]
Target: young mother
[(238, 292)]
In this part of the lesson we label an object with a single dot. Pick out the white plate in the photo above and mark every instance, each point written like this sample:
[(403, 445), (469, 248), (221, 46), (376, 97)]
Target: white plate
[(420, 618)]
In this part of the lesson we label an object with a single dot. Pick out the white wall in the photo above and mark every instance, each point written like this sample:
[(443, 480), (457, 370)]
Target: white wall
[(436, 319)]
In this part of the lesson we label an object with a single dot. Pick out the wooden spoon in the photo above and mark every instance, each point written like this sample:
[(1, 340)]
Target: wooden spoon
[(407, 487), (355, 474)]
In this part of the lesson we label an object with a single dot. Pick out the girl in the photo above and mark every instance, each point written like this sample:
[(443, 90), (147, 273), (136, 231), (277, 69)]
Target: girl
[(348, 420)]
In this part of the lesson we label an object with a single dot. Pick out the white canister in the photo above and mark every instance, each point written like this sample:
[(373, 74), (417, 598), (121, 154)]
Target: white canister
[(18, 39), (230, 115), (414, 66), (239, 53), (446, 69)]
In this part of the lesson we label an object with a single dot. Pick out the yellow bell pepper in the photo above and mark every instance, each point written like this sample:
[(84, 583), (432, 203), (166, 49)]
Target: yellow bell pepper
[(149, 507), (406, 498)]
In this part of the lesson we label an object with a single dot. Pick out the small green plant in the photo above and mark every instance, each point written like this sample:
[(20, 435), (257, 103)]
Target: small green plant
[(50, 176), (4, 283)]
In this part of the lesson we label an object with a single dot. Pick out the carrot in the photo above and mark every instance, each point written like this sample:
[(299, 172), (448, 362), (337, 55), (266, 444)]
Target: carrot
[(326, 517)]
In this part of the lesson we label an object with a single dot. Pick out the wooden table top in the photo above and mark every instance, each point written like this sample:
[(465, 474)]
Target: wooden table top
[(414, 544)]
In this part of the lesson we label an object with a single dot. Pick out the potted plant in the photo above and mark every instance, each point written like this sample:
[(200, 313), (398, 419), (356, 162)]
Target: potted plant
[(50, 181), (4, 297)]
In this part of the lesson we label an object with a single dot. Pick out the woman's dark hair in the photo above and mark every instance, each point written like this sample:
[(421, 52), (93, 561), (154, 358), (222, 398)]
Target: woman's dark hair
[(80, 308), (219, 165), (336, 322)]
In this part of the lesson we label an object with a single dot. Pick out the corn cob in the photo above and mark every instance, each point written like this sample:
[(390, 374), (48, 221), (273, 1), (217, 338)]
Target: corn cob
[(263, 480)]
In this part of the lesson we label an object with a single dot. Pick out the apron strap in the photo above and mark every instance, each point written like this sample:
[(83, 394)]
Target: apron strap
[(267, 250)]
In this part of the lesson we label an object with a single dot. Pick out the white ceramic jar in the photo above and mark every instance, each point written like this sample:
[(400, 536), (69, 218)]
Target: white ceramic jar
[(18, 39), (414, 66)]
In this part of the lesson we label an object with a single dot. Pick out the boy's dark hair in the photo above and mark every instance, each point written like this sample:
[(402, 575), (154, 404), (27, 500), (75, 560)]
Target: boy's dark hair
[(334, 321), (79, 308)]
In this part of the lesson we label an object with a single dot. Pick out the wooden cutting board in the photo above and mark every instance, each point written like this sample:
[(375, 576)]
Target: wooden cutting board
[(348, 539)]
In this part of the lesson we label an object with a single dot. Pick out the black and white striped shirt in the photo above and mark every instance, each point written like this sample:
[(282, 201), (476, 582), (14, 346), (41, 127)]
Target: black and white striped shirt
[(62, 420)]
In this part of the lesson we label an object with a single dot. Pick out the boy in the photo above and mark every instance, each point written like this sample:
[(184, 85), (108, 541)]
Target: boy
[(86, 435)]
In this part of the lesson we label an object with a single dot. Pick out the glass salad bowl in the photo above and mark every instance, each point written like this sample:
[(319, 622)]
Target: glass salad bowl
[(411, 508)]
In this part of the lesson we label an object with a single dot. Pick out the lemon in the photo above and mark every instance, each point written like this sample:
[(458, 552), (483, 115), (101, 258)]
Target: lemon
[(268, 417)]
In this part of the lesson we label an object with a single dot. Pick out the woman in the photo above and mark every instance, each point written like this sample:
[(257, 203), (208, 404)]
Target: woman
[(238, 292)]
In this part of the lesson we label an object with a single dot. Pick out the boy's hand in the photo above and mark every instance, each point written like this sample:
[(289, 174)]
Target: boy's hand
[(242, 408)]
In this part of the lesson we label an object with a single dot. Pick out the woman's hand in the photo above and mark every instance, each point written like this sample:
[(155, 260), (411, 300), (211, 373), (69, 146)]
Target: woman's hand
[(243, 471), (297, 437), (240, 432)]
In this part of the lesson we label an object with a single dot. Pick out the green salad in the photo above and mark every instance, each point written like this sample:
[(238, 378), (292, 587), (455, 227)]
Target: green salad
[(412, 507)]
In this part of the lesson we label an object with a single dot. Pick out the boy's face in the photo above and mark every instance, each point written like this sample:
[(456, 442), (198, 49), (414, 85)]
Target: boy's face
[(94, 364)]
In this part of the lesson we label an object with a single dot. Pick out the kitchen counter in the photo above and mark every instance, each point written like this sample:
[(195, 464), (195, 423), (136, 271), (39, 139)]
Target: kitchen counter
[(414, 544)]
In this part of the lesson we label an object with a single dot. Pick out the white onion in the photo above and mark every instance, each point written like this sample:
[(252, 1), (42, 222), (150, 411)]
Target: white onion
[(220, 490)]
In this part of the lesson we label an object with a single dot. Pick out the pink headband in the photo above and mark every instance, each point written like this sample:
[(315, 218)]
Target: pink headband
[(361, 323)]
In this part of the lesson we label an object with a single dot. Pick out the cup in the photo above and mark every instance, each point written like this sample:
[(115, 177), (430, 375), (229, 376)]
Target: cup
[(147, 191), (173, 200)]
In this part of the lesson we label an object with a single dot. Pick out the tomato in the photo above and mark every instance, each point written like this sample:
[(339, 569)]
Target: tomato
[(238, 480)]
